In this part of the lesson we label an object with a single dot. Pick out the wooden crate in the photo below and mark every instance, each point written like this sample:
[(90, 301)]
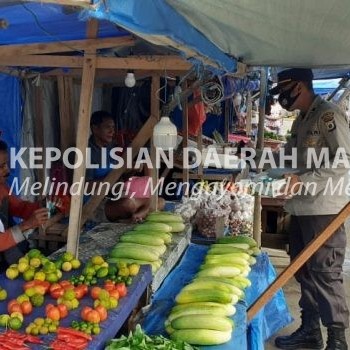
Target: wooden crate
[(51, 237)]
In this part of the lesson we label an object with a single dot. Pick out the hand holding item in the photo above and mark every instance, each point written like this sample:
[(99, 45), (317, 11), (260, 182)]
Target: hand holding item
[(38, 218)]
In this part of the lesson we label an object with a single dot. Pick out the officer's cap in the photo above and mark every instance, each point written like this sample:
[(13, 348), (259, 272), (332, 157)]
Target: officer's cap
[(286, 76)]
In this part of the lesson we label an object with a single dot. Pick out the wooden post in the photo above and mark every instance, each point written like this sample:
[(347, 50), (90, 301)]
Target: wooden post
[(259, 146), (185, 170), (87, 87), (299, 261), (227, 118), (249, 114), (155, 112)]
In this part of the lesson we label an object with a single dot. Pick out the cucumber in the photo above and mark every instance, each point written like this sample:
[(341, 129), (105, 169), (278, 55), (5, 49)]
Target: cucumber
[(243, 246), (193, 309), (159, 249), (153, 226), (142, 239), (205, 306), (206, 266), (201, 336), (220, 271), (166, 237), (225, 249), (214, 285), (176, 227), (164, 217), (224, 259), (216, 296), (216, 323)]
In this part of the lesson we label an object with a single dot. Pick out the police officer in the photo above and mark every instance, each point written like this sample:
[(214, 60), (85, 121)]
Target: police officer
[(320, 128)]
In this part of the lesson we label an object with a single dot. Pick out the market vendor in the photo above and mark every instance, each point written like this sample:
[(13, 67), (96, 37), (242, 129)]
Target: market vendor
[(129, 207), (320, 125), (13, 237)]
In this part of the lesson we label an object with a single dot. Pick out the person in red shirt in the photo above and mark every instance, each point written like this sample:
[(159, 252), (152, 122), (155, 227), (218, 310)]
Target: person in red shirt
[(11, 206)]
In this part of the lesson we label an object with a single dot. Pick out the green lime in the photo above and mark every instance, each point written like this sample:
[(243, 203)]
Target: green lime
[(15, 323)]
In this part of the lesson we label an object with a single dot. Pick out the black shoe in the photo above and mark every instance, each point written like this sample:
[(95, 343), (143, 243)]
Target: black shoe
[(302, 338), (336, 339)]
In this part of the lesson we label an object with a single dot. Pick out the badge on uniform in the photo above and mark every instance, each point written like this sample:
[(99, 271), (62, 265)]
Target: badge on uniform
[(328, 119)]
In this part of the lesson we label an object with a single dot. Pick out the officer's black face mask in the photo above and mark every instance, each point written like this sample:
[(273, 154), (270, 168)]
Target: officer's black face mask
[(286, 100)]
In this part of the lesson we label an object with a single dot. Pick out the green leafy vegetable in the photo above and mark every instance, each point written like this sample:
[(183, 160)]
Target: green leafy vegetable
[(138, 340)]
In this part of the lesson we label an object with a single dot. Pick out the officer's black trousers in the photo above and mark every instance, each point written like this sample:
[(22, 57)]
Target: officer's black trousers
[(321, 280)]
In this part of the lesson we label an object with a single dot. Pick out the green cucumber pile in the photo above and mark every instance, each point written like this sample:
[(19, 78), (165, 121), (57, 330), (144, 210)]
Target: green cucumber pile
[(203, 308), (147, 242)]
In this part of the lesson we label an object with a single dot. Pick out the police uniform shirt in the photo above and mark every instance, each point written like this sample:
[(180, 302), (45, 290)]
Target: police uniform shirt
[(323, 126)]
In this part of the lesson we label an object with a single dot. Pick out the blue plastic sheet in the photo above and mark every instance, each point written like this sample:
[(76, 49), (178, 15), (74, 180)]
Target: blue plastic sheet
[(11, 115), (109, 328), (274, 316), (157, 18)]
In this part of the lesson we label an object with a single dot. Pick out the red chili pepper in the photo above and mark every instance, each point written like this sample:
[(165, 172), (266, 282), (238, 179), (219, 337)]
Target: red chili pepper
[(11, 346), (33, 339), (60, 345), (14, 334), (14, 341), (74, 333)]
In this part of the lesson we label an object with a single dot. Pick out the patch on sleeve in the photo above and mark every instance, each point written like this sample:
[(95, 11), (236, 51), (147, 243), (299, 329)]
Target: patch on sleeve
[(328, 119)]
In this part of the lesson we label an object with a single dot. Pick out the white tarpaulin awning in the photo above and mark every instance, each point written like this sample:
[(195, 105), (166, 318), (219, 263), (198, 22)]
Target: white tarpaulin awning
[(284, 33)]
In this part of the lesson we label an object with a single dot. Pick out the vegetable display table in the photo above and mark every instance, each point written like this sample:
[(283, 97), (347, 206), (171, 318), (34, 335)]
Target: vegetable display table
[(109, 328), (270, 320)]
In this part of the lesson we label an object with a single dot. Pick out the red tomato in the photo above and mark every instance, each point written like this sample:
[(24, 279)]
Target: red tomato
[(45, 284), (102, 311), (53, 313), (48, 307), (122, 290), (95, 291), (26, 307), (29, 284), (114, 293), (79, 291), (57, 293), (65, 283), (55, 286), (14, 308), (93, 316), (109, 285), (84, 312), (62, 308)]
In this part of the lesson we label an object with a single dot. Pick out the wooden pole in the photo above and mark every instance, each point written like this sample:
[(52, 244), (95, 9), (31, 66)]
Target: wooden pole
[(259, 146), (299, 261), (185, 170), (249, 114), (227, 118), (87, 87), (155, 107)]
